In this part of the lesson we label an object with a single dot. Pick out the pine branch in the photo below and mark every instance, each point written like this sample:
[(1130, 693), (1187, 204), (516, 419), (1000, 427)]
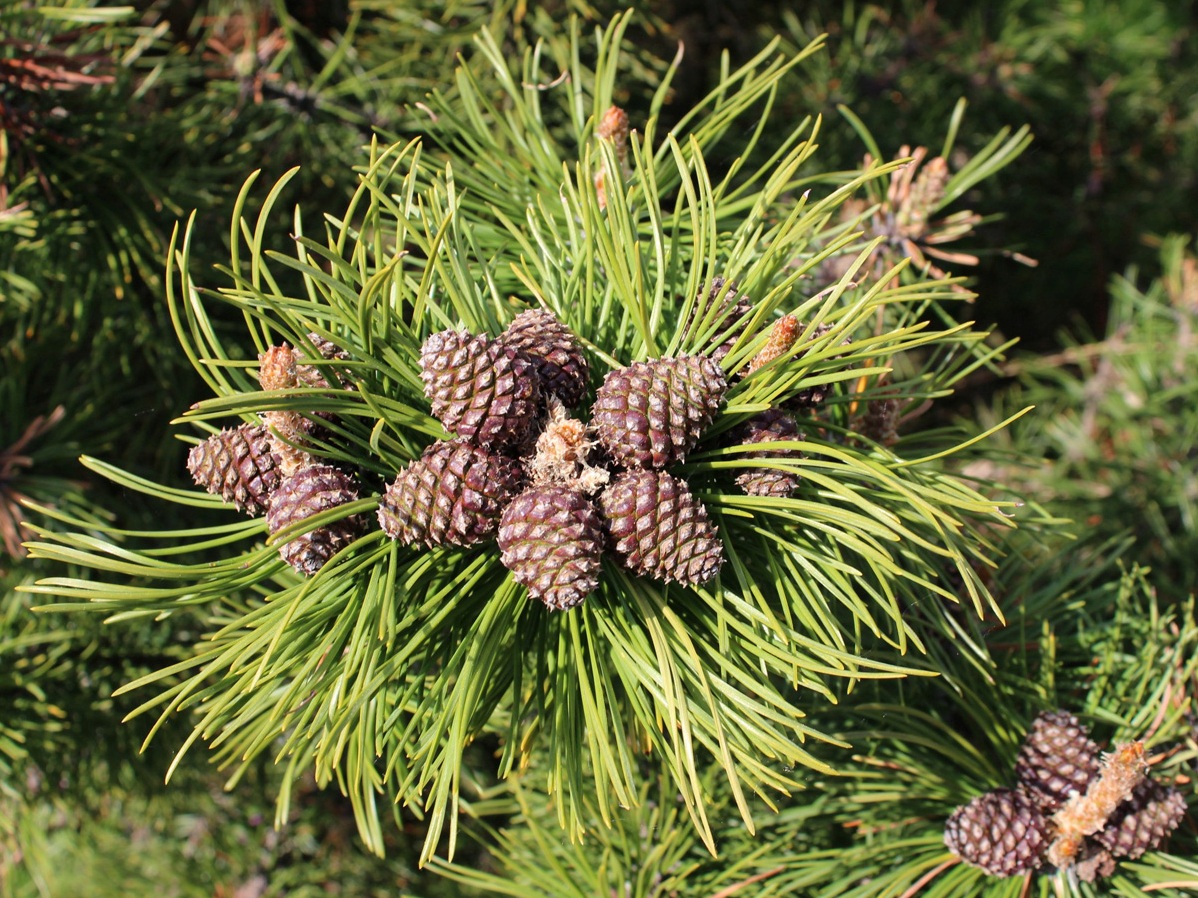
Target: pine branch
[(378, 669)]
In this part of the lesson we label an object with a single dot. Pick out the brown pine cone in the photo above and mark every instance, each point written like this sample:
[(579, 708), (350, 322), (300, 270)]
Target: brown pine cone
[(453, 494), (563, 369), (1144, 821), (659, 529), (1002, 832), (1058, 758), (769, 426), (651, 414), (239, 466), (480, 390), (310, 490), (551, 539)]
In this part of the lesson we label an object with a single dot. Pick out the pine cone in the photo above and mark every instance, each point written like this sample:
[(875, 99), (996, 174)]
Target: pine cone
[(313, 376), (277, 368), (551, 538), (313, 428), (452, 494), (783, 334), (728, 320), (652, 413), (480, 390), (614, 127), (310, 490), (288, 430), (659, 529), (563, 369), (1096, 863), (1058, 758), (239, 466), (880, 421), (1144, 821), (813, 396), (767, 427), (1003, 832)]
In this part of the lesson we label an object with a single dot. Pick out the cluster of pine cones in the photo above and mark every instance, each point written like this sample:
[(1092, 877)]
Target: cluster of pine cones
[(267, 468), (1009, 831), (556, 493)]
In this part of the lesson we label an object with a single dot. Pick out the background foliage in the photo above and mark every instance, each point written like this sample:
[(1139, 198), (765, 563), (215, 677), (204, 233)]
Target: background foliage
[(177, 102)]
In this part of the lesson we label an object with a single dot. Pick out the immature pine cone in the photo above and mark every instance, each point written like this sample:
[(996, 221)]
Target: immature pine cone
[(310, 490), (1144, 821), (288, 430), (783, 334), (659, 529), (277, 368), (1003, 832), (614, 127), (652, 413), (727, 320), (554, 351), (767, 427), (480, 390), (1058, 758), (452, 494), (239, 466), (551, 539)]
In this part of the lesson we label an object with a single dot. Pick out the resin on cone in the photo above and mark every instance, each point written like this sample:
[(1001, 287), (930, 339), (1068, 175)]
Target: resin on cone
[(651, 414)]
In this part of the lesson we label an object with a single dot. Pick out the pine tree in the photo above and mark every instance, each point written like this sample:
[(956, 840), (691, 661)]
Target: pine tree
[(580, 488), (507, 216)]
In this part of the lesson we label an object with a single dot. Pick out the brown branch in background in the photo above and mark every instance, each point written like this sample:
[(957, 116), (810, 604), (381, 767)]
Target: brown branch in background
[(737, 886), (12, 460)]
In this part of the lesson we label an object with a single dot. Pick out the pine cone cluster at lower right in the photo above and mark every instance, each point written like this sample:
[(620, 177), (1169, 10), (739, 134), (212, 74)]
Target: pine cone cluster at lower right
[(1008, 831)]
